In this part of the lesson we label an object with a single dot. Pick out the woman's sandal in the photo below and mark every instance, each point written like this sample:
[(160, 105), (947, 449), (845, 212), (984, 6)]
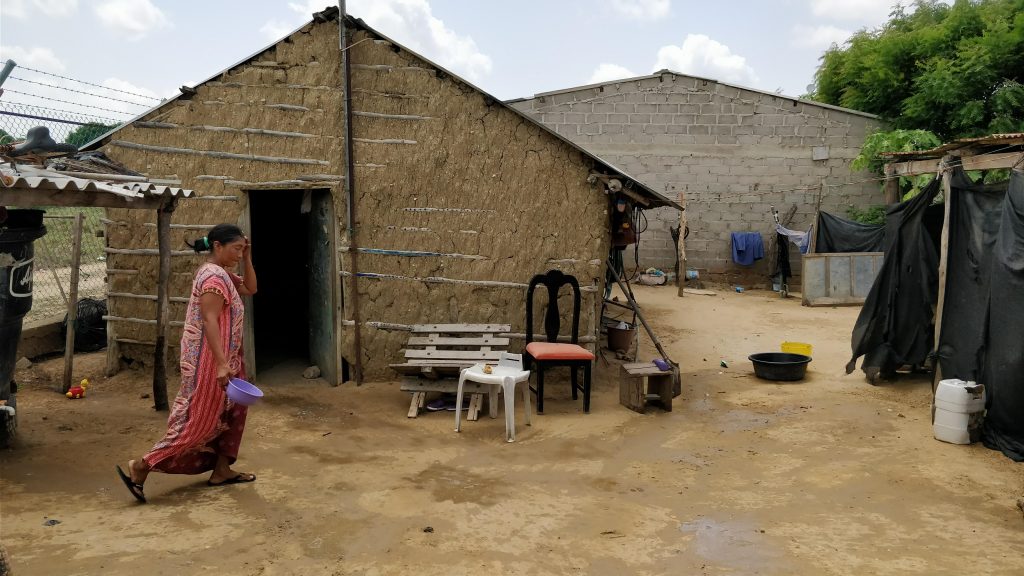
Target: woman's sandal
[(240, 478), (135, 489)]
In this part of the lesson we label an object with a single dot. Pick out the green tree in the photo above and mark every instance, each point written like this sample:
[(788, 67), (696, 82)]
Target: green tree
[(87, 133), (6, 138), (956, 71)]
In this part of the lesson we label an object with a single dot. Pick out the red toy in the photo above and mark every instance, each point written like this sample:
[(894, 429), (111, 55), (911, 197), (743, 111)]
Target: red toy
[(78, 391)]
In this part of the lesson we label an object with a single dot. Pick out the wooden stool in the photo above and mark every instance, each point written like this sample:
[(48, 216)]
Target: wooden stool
[(643, 378)]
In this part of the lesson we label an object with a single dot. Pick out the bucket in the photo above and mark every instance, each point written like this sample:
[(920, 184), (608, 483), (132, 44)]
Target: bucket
[(796, 348), (620, 338)]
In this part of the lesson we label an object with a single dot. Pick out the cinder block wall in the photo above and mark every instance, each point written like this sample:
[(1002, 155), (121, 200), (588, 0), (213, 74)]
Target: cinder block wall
[(731, 153)]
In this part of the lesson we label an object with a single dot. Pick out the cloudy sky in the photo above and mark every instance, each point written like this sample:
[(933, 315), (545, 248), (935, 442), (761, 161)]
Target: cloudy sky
[(148, 48)]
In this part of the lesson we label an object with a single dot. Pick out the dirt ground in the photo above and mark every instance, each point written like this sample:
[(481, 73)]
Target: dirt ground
[(826, 476)]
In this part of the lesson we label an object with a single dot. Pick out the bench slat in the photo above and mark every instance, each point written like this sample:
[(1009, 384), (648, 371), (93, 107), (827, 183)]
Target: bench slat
[(455, 341), (453, 355), (457, 328)]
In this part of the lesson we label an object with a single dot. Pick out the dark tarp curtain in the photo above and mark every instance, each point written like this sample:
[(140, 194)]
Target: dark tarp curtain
[(837, 234), (895, 325), (982, 336), (1003, 375)]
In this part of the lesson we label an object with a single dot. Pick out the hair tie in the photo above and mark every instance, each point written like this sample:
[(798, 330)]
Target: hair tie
[(206, 241)]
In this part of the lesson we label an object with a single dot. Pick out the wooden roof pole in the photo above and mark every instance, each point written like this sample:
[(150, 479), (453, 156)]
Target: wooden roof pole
[(350, 201), (163, 232)]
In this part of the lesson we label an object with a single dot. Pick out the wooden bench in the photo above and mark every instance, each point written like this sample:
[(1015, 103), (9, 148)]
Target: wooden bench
[(642, 380), (435, 355)]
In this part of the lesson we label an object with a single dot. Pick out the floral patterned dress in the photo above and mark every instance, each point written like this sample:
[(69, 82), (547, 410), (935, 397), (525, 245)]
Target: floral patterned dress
[(203, 423)]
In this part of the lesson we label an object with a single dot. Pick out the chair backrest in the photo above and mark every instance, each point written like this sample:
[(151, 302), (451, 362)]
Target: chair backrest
[(553, 280), (510, 360)]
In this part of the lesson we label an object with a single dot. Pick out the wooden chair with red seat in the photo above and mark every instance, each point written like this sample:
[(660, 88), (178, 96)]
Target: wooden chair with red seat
[(550, 353)]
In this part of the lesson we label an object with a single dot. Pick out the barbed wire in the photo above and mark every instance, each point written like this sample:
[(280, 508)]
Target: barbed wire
[(78, 91), (65, 102), (84, 82)]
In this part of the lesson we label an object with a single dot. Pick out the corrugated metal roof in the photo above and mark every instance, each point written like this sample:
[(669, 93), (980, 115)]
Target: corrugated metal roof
[(1014, 139), (32, 178)]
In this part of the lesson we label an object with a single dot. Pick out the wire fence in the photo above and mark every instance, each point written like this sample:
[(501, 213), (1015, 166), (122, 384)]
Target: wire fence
[(52, 266), (78, 129)]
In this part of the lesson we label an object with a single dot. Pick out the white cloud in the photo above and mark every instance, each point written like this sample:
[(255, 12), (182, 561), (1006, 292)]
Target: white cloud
[(608, 72), (699, 55), (819, 37), (277, 29), (642, 9), (14, 8), (57, 8), (35, 57), (409, 22), (136, 18)]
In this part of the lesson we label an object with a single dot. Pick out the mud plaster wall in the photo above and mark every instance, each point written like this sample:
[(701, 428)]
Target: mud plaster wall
[(293, 88), (438, 169), (499, 197)]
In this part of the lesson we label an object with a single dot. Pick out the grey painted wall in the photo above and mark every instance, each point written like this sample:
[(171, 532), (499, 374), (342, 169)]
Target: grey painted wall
[(731, 153)]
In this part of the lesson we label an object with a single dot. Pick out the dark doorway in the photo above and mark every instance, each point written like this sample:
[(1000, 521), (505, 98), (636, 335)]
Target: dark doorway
[(293, 312), (280, 255)]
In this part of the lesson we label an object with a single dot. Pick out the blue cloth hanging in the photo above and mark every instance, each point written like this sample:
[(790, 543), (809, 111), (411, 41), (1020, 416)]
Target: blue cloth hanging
[(747, 247)]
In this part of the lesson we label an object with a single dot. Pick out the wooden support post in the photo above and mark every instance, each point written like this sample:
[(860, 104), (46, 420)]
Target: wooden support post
[(892, 185), (947, 194), (639, 314), (163, 228), (681, 278), (69, 339)]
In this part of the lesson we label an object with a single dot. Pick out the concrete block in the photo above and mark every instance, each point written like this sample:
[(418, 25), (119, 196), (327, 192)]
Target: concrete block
[(722, 130), (750, 120), (553, 118), (654, 129), (685, 119), (678, 98), (792, 141), (698, 129), (730, 119), (591, 129), (646, 108), (698, 98), (657, 98), (636, 98), (662, 118), (611, 128), (743, 130), (728, 140), (668, 108), (618, 118), (575, 118), (625, 108), (795, 120), (596, 118), (810, 132), (664, 139), (772, 119), (685, 139), (675, 129), (604, 107), (710, 109), (567, 129)]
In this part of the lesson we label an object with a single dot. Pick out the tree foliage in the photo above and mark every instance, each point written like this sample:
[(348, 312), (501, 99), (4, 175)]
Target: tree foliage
[(6, 138), (87, 133), (956, 71)]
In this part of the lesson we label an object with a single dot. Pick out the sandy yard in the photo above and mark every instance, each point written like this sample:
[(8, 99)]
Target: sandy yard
[(827, 476)]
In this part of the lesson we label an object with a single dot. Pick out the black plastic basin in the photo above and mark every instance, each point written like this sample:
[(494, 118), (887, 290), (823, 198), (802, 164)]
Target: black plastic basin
[(780, 365)]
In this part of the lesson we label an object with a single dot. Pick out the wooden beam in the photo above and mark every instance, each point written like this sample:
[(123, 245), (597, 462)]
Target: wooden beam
[(979, 162), (217, 154), (892, 185), (163, 226), (947, 194), (681, 272), (69, 339)]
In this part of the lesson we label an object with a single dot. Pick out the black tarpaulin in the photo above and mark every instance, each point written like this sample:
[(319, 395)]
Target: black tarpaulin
[(895, 325), (1004, 362), (837, 234)]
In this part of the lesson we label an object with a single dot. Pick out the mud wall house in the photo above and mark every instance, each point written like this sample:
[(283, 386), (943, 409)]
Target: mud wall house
[(460, 200), (731, 152)]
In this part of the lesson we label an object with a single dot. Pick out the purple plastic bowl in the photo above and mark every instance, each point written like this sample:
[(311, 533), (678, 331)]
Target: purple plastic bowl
[(241, 392)]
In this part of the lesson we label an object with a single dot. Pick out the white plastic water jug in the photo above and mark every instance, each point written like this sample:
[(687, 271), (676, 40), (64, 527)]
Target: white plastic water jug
[(959, 408)]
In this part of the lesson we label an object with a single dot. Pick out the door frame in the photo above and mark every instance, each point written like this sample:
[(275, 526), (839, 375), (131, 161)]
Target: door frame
[(249, 322)]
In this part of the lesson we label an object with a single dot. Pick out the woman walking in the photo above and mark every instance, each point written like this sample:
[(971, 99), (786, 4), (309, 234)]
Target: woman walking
[(204, 429)]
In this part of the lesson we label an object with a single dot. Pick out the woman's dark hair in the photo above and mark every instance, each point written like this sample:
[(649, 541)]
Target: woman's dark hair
[(223, 233)]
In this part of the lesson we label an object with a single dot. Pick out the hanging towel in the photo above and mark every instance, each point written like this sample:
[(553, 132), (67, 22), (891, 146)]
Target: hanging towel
[(801, 239), (747, 247)]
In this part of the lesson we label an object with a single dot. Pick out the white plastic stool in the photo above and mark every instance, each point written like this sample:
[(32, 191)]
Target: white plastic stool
[(506, 374)]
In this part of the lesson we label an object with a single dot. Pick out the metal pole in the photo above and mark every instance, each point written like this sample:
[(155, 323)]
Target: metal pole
[(350, 203)]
